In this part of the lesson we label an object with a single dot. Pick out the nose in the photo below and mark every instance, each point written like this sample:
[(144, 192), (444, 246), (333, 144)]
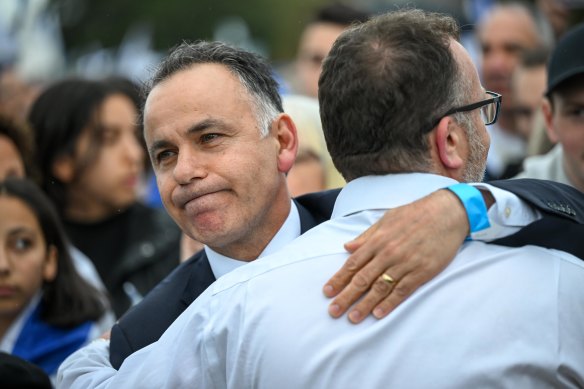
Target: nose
[(189, 167), (4, 263)]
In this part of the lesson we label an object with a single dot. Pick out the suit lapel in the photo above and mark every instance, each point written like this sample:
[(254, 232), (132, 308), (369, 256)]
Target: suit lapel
[(201, 276)]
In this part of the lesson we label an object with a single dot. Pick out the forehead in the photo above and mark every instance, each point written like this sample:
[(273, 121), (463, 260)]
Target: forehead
[(320, 35), (508, 25), (16, 212), (202, 91), (466, 65)]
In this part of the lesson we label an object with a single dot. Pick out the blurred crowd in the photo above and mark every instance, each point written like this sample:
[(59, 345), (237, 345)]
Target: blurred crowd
[(84, 234)]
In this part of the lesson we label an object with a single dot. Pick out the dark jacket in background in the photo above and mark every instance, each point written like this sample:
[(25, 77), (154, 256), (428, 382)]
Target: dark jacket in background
[(132, 251)]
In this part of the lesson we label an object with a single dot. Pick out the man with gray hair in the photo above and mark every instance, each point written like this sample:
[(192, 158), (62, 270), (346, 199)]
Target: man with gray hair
[(264, 326)]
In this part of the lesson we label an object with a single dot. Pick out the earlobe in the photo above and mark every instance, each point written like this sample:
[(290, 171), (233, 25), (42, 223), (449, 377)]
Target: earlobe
[(51, 265), (287, 141), (64, 168), (448, 142)]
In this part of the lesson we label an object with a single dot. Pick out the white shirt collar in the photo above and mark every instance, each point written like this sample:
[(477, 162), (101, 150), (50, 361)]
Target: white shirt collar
[(290, 230), (379, 192)]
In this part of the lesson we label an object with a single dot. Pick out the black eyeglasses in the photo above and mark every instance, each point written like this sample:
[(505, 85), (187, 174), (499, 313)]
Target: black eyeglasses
[(489, 110)]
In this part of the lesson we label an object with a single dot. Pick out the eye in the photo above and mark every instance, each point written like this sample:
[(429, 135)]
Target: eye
[(207, 138), (573, 112), (110, 136), (21, 243), (163, 156)]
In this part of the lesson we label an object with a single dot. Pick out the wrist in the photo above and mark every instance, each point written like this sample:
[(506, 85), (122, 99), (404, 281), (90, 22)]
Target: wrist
[(474, 205)]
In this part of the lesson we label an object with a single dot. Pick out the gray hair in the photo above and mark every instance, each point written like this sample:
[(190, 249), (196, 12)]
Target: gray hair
[(252, 71)]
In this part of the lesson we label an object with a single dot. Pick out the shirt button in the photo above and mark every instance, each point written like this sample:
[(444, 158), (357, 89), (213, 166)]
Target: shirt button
[(507, 212)]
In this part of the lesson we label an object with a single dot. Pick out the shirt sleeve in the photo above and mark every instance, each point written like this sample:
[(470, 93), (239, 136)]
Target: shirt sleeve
[(176, 360), (507, 215), (88, 367)]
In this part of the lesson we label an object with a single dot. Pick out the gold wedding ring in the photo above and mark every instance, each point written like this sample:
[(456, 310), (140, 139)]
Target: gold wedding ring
[(387, 278)]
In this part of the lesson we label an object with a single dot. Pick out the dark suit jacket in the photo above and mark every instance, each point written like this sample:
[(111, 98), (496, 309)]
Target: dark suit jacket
[(561, 227)]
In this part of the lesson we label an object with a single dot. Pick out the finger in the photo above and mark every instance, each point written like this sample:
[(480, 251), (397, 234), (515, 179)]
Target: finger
[(356, 243), (400, 292), (380, 290), (370, 269), (344, 276), (347, 291)]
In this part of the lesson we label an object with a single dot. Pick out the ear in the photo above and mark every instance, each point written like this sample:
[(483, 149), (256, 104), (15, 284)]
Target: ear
[(51, 266), (548, 115), (64, 168), (450, 140), (287, 137)]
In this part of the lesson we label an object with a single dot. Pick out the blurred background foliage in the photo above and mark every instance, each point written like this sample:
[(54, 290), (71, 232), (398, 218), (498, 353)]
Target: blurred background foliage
[(274, 26)]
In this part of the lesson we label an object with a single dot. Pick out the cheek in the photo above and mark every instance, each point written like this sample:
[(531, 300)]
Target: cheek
[(30, 273), (165, 187), (571, 137), (574, 145)]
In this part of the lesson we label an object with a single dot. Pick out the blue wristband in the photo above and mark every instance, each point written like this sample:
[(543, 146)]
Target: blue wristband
[(474, 204)]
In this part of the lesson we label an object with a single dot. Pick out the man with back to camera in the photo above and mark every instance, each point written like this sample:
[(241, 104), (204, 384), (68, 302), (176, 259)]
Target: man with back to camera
[(152, 364)]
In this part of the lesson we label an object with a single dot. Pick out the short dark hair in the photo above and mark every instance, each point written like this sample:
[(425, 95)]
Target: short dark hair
[(253, 71), (68, 300), (341, 14), (383, 85)]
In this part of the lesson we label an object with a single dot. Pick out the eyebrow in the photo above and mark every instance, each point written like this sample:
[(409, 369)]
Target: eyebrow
[(20, 230), (195, 128)]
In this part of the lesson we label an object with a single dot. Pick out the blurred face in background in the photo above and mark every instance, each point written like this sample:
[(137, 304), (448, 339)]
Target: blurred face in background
[(315, 44), (529, 85), (25, 259), (564, 116), (503, 35), (110, 181), (11, 163)]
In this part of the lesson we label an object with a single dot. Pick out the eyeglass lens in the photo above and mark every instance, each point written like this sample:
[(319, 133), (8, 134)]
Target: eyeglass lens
[(488, 112)]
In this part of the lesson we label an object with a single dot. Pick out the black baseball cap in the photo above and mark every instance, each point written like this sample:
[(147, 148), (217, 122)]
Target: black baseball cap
[(567, 59)]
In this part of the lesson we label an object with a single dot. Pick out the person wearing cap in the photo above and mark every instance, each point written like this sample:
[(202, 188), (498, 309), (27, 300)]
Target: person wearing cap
[(563, 109)]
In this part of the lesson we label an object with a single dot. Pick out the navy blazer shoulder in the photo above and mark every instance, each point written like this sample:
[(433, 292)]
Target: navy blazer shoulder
[(145, 322), (562, 208)]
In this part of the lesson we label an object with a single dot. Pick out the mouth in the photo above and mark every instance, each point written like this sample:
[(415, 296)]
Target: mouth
[(131, 181), (181, 200), (7, 291)]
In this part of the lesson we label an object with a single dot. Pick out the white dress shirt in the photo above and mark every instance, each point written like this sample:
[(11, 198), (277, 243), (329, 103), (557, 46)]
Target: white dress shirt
[(495, 317), (290, 230)]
